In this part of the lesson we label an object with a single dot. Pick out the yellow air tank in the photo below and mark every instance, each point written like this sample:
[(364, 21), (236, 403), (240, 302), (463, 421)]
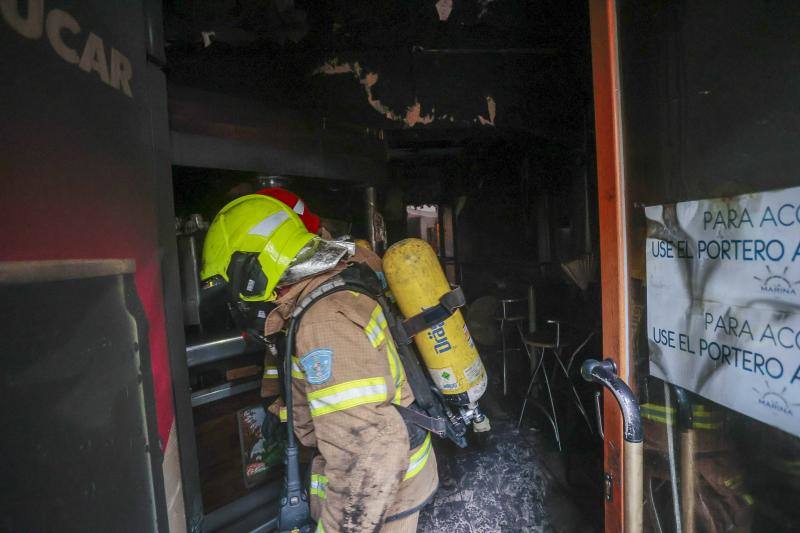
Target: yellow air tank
[(417, 281)]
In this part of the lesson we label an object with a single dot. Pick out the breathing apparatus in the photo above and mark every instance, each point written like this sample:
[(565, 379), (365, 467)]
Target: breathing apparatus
[(423, 293)]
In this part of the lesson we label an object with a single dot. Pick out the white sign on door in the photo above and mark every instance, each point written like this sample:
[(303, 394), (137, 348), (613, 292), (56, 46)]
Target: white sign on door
[(723, 301)]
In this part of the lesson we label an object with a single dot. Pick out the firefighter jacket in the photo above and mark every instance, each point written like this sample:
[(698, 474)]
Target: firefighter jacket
[(346, 376), (270, 383)]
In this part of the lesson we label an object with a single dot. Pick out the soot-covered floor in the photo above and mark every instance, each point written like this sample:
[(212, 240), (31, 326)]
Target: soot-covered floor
[(496, 486), (507, 480)]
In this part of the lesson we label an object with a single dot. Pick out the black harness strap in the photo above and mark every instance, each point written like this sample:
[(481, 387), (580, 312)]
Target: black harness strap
[(404, 331)]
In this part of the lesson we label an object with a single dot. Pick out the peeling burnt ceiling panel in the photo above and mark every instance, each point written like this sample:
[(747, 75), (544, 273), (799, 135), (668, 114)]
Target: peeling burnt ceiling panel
[(370, 88), (383, 64), (534, 90), (455, 109)]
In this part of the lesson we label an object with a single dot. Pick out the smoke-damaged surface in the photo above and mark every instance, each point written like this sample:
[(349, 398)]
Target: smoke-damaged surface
[(382, 64), (516, 480), (495, 485)]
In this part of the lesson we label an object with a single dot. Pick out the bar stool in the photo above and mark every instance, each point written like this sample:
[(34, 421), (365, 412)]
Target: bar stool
[(507, 317), (550, 343)]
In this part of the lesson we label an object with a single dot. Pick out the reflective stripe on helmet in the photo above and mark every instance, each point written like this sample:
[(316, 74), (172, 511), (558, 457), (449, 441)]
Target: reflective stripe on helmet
[(346, 395), (267, 226)]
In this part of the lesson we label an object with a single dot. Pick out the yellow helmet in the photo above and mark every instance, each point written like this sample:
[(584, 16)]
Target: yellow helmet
[(250, 244)]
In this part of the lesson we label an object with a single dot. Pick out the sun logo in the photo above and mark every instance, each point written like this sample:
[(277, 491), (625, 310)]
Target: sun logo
[(777, 284), (774, 400)]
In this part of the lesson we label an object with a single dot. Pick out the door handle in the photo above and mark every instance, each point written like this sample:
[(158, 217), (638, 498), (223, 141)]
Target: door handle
[(605, 373)]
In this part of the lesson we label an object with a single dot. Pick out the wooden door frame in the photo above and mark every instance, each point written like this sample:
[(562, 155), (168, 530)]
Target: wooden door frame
[(613, 241)]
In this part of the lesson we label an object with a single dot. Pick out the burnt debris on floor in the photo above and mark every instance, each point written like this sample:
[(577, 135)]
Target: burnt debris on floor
[(511, 479), (497, 485)]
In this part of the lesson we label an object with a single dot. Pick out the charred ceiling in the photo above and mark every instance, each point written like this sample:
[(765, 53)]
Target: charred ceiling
[(442, 65)]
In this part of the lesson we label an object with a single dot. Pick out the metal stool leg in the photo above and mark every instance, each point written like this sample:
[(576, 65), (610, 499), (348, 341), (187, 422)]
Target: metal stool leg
[(552, 404), (531, 361), (577, 397), (505, 371), (565, 371), (549, 418), (577, 350), (530, 386)]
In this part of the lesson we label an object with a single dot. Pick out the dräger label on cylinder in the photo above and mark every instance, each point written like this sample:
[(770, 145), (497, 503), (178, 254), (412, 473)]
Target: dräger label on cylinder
[(438, 335)]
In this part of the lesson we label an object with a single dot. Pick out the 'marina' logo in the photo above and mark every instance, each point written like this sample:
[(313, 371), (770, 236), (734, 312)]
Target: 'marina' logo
[(777, 284), (775, 401)]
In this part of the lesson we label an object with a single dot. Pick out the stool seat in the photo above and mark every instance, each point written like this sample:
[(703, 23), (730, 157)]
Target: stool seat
[(546, 338), (543, 341), (510, 318), (513, 300)]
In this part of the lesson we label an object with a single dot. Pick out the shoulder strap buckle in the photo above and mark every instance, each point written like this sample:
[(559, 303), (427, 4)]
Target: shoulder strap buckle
[(434, 425)]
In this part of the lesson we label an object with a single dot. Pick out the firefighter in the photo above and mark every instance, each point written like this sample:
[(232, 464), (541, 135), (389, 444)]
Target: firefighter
[(270, 386), (373, 471)]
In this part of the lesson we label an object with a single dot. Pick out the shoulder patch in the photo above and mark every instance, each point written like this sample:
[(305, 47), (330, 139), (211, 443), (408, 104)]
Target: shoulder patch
[(318, 365)]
